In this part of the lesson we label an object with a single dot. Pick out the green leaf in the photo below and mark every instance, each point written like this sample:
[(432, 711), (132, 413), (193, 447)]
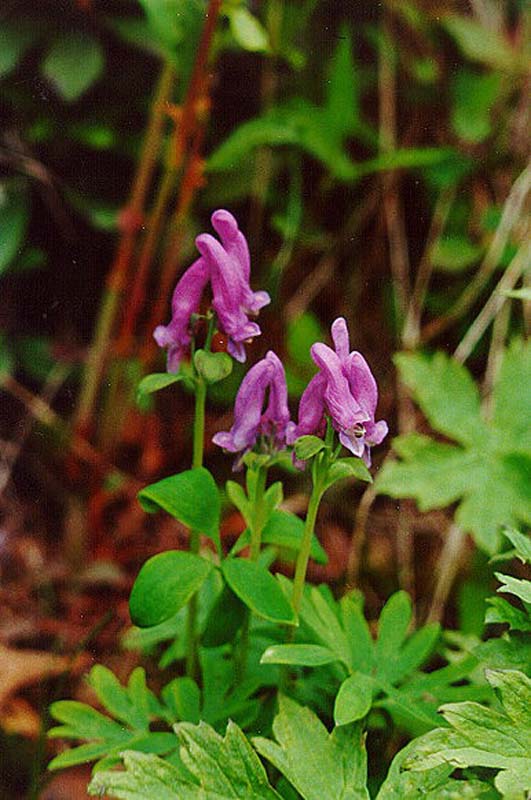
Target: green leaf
[(285, 530), (342, 96), (302, 332), (298, 125), (303, 655), (433, 381), (6, 359), (238, 498), (224, 620), (192, 497), (134, 706), (507, 652), (347, 468), (489, 473), (308, 446), (15, 39), (214, 768), (484, 737), (440, 480), (157, 381), (173, 30), (214, 367), (354, 699), (82, 721), (393, 626), (474, 96), (164, 584), (521, 543), (358, 635), (391, 663), (454, 253), (14, 217), (520, 588), (501, 612), (116, 699), (183, 700), (273, 497), (258, 589), (479, 43), (430, 784), (74, 63), (318, 764), (512, 399), (247, 30)]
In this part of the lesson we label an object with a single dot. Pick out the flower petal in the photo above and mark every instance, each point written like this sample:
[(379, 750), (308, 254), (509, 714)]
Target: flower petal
[(186, 300), (340, 338), (311, 410), (362, 382), (342, 406)]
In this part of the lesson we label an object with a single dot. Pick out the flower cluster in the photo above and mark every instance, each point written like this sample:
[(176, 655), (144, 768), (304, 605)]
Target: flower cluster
[(344, 389), (251, 421), (226, 265)]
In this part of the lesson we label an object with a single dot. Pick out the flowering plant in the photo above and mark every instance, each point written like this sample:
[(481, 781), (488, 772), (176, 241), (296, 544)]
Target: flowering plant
[(226, 266)]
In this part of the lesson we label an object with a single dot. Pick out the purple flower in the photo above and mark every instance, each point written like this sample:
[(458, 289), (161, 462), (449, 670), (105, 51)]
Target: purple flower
[(185, 302), (250, 420), (227, 266), (345, 389)]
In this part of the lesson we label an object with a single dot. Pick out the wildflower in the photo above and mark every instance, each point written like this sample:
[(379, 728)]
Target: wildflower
[(226, 266), (185, 302), (251, 422), (345, 389), (229, 267)]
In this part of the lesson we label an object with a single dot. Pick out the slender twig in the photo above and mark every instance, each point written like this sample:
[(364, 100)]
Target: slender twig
[(499, 335), (494, 304), (131, 221), (411, 330), (394, 217), (147, 253), (187, 148), (448, 566), (55, 379), (400, 271), (511, 215), (44, 414)]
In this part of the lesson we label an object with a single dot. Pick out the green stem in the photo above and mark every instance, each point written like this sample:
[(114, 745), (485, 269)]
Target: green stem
[(199, 422), (256, 526), (258, 521), (192, 659), (304, 552)]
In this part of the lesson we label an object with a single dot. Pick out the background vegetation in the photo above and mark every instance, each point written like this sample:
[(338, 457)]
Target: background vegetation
[(376, 156)]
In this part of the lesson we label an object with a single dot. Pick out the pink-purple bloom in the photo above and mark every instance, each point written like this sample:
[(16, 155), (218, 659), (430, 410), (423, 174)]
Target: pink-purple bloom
[(266, 380), (346, 390), (226, 265)]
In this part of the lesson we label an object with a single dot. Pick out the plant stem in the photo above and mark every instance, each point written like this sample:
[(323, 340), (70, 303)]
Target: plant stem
[(199, 422), (258, 521), (304, 552), (192, 660), (256, 526)]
